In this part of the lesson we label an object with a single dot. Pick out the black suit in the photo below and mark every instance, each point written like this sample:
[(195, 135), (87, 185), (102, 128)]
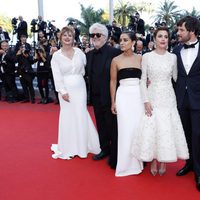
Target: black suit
[(22, 29), (7, 74), (26, 74), (42, 25), (149, 38), (188, 100), (98, 71), (4, 36)]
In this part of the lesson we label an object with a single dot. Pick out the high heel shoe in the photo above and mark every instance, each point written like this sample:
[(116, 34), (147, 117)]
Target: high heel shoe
[(162, 169), (154, 169)]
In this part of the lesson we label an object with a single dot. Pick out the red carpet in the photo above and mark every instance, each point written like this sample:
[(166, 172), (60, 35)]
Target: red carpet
[(27, 171)]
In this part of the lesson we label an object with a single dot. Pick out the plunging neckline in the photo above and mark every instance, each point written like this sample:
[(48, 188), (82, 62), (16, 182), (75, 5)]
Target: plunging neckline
[(67, 56)]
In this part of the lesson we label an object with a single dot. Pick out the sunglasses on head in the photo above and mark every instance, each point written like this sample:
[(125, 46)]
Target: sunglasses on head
[(98, 35)]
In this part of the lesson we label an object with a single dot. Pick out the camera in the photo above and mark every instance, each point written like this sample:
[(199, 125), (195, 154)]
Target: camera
[(14, 24), (39, 50), (24, 49), (33, 24), (133, 19), (14, 21)]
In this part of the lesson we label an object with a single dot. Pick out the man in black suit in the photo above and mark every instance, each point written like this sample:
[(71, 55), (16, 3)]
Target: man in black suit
[(4, 36), (116, 31), (22, 28), (98, 71), (149, 37), (7, 71), (25, 71), (42, 25), (188, 90)]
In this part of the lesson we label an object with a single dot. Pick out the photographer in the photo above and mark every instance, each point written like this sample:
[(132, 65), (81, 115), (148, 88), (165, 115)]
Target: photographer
[(41, 25), (24, 69), (76, 29), (7, 71), (149, 37), (51, 30), (4, 35), (42, 41), (116, 31), (21, 28), (137, 24), (43, 71), (54, 46)]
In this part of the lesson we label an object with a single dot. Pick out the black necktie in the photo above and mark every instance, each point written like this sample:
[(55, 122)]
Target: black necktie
[(186, 46)]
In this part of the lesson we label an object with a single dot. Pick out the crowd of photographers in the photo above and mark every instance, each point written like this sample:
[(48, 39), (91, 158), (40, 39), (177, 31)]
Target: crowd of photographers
[(31, 62)]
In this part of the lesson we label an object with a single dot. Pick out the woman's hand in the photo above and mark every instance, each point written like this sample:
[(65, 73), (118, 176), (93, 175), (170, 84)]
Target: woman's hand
[(148, 109), (113, 109), (66, 97)]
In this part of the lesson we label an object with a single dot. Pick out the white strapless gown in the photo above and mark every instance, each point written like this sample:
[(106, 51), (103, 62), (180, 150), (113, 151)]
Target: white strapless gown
[(129, 110)]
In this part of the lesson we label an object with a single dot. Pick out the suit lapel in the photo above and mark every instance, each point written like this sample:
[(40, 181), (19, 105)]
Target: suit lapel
[(181, 61), (196, 61)]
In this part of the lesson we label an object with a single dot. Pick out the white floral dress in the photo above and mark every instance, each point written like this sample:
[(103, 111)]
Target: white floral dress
[(160, 136)]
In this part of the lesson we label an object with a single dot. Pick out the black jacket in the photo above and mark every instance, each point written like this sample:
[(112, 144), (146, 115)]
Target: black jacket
[(108, 55), (191, 81)]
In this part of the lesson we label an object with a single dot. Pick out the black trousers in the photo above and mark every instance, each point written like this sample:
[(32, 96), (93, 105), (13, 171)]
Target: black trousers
[(191, 124), (10, 86), (42, 80), (107, 129), (26, 81)]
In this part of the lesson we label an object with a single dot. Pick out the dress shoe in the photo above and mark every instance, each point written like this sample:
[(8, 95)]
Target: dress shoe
[(45, 101), (25, 101), (112, 163), (185, 170), (162, 169), (198, 182), (100, 156), (32, 101)]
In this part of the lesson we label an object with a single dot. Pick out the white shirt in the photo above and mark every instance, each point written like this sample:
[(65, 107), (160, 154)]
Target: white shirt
[(188, 56)]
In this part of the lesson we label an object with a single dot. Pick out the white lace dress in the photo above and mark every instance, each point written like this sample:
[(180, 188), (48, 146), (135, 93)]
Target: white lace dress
[(160, 136), (77, 134)]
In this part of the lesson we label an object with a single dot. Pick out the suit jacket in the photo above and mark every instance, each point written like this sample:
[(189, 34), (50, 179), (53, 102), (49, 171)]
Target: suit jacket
[(22, 29), (6, 35), (8, 63), (149, 38), (108, 55), (191, 81)]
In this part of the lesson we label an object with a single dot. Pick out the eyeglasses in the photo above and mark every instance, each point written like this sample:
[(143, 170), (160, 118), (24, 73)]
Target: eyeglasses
[(98, 35)]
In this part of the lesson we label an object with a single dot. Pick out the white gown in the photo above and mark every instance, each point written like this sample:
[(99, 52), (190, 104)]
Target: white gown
[(129, 110), (160, 136), (77, 134)]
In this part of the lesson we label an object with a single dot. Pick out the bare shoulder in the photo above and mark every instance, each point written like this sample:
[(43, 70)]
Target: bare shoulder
[(117, 58), (138, 57)]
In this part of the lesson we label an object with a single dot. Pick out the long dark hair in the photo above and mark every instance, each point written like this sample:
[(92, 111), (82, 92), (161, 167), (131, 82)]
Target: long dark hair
[(130, 34)]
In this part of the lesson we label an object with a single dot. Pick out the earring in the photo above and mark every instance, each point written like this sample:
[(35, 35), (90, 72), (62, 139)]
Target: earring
[(133, 48)]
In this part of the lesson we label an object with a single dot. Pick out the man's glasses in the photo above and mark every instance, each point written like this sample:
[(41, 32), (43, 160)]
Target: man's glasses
[(98, 35)]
